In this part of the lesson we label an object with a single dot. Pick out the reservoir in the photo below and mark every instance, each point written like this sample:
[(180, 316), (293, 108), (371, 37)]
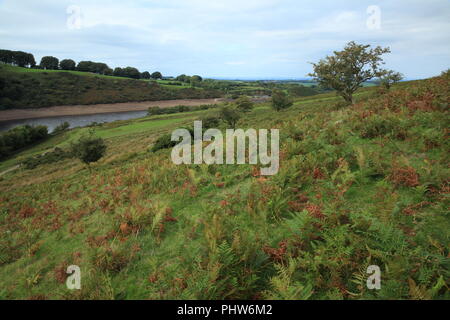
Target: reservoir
[(74, 121)]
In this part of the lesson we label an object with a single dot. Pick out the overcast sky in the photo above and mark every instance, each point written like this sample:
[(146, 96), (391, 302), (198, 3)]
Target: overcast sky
[(229, 38)]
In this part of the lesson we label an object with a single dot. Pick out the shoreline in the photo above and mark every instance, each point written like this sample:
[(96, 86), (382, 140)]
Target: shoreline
[(76, 110)]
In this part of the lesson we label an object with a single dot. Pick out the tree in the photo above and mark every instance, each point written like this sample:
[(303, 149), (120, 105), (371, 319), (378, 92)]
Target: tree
[(196, 78), (389, 78), (156, 75), (89, 148), (23, 59), (131, 72), (99, 67), (84, 66), (108, 72), (347, 70), (230, 115), (210, 122), (19, 58), (244, 104), (94, 67), (182, 78), (67, 64), (145, 75), (6, 56), (280, 100), (49, 63), (118, 72)]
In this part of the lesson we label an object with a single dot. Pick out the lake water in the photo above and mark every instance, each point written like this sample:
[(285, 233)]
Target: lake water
[(74, 121)]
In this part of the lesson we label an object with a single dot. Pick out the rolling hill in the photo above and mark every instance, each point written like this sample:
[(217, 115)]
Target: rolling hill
[(35, 88), (361, 185)]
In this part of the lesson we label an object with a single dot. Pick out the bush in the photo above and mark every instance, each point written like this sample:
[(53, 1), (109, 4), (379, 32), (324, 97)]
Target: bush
[(163, 142), (230, 115), (210, 122), (244, 104), (50, 157), (62, 127), (89, 148), (153, 111), (280, 100), (20, 137)]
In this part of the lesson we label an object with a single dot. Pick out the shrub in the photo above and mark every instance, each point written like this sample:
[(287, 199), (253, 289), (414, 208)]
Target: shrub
[(20, 137), (244, 104), (230, 115), (153, 111), (50, 157), (163, 142), (210, 122), (89, 149), (62, 127), (280, 100)]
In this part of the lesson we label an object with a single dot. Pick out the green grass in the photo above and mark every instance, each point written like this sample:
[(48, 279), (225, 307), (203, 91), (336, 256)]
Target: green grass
[(360, 185)]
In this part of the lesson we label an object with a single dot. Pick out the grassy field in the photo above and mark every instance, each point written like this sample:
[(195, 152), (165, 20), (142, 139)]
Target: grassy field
[(361, 185)]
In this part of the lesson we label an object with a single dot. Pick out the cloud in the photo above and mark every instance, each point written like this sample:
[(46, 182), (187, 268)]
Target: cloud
[(233, 38)]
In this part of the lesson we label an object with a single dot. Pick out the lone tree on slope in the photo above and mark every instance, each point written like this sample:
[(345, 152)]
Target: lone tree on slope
[(347, 70), (89, 149)]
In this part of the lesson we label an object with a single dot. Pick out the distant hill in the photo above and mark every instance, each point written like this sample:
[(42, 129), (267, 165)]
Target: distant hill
[(35, 88)]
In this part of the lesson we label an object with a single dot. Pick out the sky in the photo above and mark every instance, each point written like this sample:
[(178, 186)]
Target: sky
[(234, 39)]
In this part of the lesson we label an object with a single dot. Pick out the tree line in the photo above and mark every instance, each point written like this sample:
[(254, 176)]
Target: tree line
[(18, 58), (24, 59)]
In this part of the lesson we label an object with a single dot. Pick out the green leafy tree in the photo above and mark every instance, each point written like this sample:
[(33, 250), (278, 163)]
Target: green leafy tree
[(156, 75), (49, 63), (6, 56), (244, 104), (210, 122), (108, 72), (345, 71), (23, 59), (230, 115), (118, 72), (67, 64), (281, 100), (131, 72), (19, 58), (85, 66), (182, 78), (89, 148), (389, 78), (145, 75)]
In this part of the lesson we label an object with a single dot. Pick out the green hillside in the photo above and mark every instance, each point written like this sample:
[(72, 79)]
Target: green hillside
[(35, 88), (362, 185)]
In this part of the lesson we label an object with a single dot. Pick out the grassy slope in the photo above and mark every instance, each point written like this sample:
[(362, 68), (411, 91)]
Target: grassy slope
[(33, 88), (361, 185)]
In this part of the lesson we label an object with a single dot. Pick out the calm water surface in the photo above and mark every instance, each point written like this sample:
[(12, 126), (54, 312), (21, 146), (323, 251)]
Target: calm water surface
[(74, 121)]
